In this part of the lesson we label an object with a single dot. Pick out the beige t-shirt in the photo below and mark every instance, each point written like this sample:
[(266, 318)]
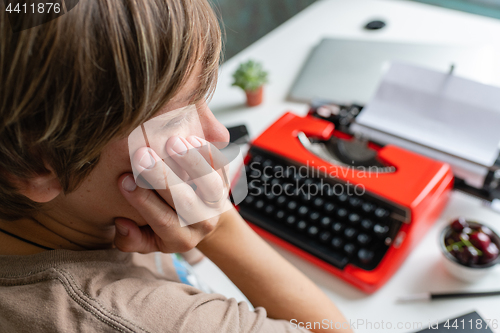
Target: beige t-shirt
[(112, 291)]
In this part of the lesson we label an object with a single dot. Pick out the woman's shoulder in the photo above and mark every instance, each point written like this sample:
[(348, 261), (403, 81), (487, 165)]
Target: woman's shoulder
[(109, 291)]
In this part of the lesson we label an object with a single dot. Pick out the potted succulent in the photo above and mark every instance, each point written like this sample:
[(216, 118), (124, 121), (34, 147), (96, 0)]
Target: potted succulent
[(251, 77)]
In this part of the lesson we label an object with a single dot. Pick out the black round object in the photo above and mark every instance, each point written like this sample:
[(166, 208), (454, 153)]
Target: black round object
[(375, 25)]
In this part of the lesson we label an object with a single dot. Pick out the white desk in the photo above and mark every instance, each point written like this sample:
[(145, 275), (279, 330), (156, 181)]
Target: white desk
[(283, 52)]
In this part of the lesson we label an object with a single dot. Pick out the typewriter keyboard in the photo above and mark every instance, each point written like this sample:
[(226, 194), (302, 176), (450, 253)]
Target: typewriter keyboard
[(333, 220)]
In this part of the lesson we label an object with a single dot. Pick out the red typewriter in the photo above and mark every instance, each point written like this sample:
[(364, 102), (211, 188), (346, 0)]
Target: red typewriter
[(353, 208)]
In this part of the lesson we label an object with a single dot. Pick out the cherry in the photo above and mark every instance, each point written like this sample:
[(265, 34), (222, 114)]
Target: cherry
[(486, 230), (489, 254), (464, 235), (455, 250), (459, 224), (455, 237), (473, 255), (475, 227), (468, 255), (467, 231), (480, 240)]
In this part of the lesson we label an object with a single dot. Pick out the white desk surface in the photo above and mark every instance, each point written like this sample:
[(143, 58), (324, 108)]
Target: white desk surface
[(283, 52)]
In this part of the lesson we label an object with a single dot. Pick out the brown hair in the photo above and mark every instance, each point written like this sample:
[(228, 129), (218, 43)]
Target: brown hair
[(70, 86)]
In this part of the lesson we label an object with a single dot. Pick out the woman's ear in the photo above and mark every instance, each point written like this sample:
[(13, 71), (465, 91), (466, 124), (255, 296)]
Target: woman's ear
[(41, 188)]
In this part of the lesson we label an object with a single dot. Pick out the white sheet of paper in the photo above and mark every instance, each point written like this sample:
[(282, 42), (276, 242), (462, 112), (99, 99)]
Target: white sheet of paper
[(451, 114)]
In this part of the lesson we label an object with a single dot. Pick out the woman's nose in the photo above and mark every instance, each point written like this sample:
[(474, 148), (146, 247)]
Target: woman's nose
[(214, 131)]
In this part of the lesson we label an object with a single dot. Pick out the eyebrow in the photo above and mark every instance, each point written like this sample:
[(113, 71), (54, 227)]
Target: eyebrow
[(194, 93)]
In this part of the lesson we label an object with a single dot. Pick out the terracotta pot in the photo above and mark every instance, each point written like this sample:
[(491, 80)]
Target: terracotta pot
[(254, 97)]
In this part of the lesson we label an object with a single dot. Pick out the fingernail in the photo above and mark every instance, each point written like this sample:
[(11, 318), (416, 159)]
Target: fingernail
[(179, 147), (147, 161), (129, 184), (122, 230), (195, 142)]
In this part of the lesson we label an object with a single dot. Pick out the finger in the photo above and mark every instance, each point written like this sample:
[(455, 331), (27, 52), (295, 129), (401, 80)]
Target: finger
[(176, 168), (153, 174), (209, 151), (129, 237), (158, 214), (178, 194), (213, 156), (209, 184), (162, 219), (148, 169)]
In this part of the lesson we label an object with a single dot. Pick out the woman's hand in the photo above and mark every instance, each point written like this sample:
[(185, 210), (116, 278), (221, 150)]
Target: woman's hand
[(197, 206)]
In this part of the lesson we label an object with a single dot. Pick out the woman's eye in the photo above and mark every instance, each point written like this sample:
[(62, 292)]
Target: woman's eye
[(174, 122)]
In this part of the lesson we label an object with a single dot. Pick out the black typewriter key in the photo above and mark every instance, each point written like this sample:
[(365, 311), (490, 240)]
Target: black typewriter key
[(290, 220), (353, 218), (342, 213), (301, 225), (281, 201), (337, 243), (328, 190), (365, 256), (337, 227), (270, 196), (287, 173), (314, 188), (325, 222), (278, 170), (265, 179), (276, 182), (303, 179), (280, 215), (303, 210), (381, 213), (293, 192), (305, 196), (267, 163), (249, 199), (297, 178), (257, 159), (329, 208), (319, 183), (364, 239), (324, 236), (259, 204), (368, 207), (355, 202), (318, 202), (349, 249), (314, 217), (254, 188), (308, 182), (292, 205), (269, 209), (367, 224), (343, 198), (350, 233), (254, 174), (381, 230), (312, 231)]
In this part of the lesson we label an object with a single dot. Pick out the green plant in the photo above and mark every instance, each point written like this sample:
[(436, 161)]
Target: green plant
[(250, 76)]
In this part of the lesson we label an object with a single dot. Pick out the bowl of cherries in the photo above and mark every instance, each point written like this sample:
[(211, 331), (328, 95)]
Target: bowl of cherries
[(470, 249)]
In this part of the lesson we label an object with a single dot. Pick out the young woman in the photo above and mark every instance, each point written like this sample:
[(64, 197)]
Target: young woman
[(71, 92)]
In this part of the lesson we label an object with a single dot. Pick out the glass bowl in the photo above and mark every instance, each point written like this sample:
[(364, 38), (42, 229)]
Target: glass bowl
[(468, 273)]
